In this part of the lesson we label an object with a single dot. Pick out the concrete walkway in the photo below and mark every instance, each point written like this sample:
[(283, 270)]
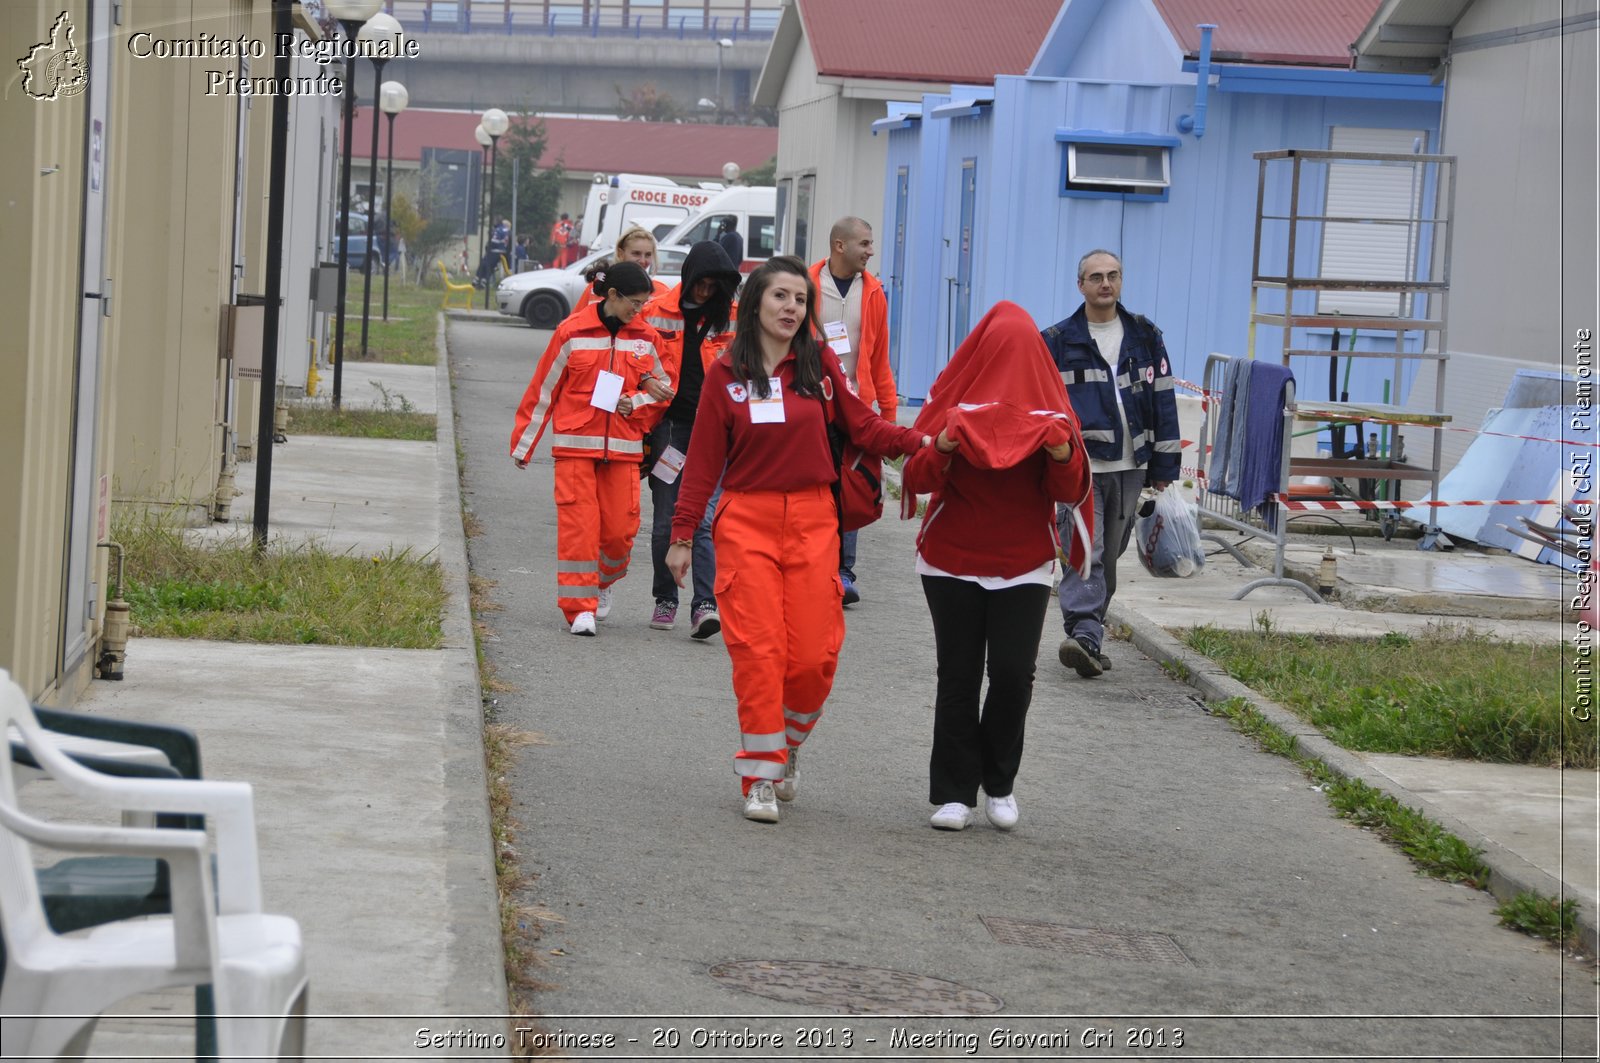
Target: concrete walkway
[(367, 764), (371, 807)]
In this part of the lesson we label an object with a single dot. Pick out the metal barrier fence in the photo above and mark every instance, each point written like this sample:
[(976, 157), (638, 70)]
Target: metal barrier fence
[(683, 19)]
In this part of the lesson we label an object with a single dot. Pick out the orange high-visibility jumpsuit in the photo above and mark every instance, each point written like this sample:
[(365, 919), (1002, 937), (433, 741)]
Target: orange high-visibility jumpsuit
[(777, 538), (596, 452)]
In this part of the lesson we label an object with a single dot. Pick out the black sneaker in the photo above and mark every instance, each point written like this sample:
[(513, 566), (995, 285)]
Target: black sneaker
[(1077, 656), (1105, 662)]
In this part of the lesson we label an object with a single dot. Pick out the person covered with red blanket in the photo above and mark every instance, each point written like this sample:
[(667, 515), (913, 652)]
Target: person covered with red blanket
[(1007, 450), (776, 529)]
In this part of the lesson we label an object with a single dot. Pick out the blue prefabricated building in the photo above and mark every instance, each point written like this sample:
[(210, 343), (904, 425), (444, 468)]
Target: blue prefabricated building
[(978, 207)]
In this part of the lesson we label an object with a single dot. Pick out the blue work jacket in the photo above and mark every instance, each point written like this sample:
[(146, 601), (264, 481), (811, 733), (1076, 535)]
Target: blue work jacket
[(1144, 376)]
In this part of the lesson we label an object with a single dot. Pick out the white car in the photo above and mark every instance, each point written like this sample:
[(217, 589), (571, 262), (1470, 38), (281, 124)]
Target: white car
[(543, 297)]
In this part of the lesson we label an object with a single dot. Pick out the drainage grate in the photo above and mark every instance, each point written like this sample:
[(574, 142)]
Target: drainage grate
[(1106, 944), (853, 990)]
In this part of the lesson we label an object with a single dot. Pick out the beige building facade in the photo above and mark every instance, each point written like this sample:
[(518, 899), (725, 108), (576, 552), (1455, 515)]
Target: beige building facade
[(134, 212)]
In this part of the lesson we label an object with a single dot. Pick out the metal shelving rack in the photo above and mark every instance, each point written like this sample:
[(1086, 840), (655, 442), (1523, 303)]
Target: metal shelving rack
[(1437, 225)]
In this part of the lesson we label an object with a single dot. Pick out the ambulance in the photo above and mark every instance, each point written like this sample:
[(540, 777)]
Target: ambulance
[(624, 199), (754, 210)]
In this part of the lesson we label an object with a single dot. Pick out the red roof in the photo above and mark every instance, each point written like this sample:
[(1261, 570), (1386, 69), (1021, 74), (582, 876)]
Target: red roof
[(1271, 31), (584, 145), (942, 41)]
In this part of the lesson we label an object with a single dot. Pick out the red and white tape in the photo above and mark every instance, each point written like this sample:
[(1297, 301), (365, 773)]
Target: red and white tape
[(1287, 503)]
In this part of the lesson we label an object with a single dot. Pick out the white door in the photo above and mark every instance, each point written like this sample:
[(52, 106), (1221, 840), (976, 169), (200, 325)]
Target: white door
[(83, 532)]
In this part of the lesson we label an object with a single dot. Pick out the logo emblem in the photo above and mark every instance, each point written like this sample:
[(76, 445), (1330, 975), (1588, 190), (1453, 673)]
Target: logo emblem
[(737, 391), (1149, 374), (1163, 367), (55, 68), (827, 389)]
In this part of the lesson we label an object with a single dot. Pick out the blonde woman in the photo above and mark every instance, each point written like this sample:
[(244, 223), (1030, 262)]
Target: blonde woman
[(634, 245)]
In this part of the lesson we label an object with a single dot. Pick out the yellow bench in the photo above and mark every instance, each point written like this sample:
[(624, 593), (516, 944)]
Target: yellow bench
[(452, 289)]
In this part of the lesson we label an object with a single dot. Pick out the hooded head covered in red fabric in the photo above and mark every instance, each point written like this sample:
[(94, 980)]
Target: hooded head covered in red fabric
[(1001, 399)]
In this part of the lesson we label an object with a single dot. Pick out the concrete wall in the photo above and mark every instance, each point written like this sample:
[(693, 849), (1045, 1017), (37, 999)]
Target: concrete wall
[(40, 217)]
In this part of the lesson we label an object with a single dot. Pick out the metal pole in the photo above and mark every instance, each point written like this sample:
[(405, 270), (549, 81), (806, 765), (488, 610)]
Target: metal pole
[(283, 28), (372, 191), (388, 215), (494, 157), (351, 28), (516, 222)]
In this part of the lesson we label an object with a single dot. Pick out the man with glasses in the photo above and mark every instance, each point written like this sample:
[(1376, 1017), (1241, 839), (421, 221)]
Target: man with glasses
[(1119, 379)]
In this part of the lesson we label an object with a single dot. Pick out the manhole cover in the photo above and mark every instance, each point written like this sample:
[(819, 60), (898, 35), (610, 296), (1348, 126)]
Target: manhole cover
[(1107, 944), (854, 990)]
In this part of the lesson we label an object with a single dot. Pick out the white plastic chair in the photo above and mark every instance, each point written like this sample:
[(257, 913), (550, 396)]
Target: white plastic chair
[(56, 987)]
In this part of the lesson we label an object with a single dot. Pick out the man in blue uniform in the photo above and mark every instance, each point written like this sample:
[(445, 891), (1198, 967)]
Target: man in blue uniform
[(1119, 379)]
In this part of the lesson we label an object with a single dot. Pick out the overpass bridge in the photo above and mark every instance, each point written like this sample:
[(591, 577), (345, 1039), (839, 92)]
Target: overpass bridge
[(577, 58)]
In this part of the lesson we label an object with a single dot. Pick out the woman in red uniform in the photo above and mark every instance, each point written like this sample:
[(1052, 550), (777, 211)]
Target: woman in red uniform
[(1007, 450), (761, 427), (600, 385)]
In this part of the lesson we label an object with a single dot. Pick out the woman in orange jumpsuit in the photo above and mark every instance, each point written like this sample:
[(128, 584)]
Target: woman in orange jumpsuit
[(761, 427), (601, 386)]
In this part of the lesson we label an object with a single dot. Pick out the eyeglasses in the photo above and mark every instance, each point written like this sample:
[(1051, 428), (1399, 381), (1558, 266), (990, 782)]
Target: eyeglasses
[(637, 304), (1114, 277)]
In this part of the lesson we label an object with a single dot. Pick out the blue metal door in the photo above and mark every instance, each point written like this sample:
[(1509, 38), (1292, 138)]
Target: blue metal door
[(897, 264), (969, 196)]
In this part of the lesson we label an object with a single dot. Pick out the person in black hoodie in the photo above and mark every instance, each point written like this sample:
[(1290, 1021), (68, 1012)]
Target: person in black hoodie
[(695, 321)]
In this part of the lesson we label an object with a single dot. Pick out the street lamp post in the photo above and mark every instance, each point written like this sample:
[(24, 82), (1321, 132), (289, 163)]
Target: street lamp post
[(392, 98), (495, 123), (721, 44), (481, 135), (383, 33), (350, 15)]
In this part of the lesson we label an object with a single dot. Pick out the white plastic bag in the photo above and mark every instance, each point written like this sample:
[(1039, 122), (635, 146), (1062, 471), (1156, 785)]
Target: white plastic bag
[(1169, 538)]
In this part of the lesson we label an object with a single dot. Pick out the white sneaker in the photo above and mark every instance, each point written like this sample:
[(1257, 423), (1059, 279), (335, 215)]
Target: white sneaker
[(953, 816), (1002, 811), (761, 803), (583, 624), (788, 785), (603, 610)]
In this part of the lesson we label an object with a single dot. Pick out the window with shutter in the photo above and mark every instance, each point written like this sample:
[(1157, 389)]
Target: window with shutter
[(1382, 246)]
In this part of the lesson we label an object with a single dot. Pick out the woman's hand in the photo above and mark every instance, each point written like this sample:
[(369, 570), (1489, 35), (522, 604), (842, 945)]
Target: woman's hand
[(678, 556), (945, 444), (625, 405), (657, 390), (1061, 451)]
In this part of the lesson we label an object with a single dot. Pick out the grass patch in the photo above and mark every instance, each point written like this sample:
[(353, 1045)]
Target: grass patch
[(286, 594), (1434, 850), (311, 419), (1444, 693), (407, 337), (1540, 916)]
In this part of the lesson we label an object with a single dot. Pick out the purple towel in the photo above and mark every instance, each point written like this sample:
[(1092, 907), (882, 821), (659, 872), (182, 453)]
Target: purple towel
[(1260, 476)]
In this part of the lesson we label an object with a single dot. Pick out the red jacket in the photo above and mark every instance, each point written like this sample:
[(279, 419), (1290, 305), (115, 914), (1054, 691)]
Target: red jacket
[(664, 313), (874, 378), (565, 379), (773, 457), (992, 522)]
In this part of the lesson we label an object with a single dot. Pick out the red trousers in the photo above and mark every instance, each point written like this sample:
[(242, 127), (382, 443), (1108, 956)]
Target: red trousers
[(781, 603), (597, 516)]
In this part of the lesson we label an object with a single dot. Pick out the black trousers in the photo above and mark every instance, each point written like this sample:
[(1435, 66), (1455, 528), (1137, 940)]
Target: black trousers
[(972, 626)]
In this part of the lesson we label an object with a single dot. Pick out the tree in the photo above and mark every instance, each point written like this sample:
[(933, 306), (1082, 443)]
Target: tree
[(431, 225), (765, 174), (538, 192), (648, 103)]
